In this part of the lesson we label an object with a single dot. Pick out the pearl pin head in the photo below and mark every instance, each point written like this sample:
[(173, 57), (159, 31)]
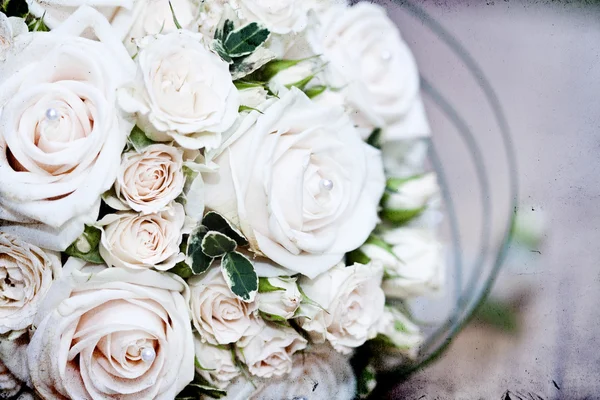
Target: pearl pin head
[(148, 354), (326, 184), (52, 114)]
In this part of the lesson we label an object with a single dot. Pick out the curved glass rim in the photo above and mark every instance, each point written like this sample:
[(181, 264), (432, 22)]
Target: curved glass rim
[(468, 301)]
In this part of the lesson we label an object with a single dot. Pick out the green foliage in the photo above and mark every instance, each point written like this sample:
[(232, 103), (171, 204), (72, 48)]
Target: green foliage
[(366, 382), (315, 91), (243, 41), (264, 286), (216, 222), (240, 276), (138, 139), (86, 246), (195, 257), (216, 244)]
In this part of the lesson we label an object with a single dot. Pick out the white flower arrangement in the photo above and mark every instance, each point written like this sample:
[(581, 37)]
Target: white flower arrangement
[(193, 199)]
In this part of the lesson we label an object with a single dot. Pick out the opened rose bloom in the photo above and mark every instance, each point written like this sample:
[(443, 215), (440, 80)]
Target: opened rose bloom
[(353, 303), (61, 135), (367, 58), (269, 353), (26, 273), (218, 315), (136, 241), (183, 91), (112, 334), (216, 364), (148, 181), (300, 184)]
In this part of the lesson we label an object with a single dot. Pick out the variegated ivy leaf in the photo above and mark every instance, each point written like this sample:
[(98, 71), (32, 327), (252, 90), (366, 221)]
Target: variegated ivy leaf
[(195, 257), (245, 40), (245, 66), (216, 222), (240, 276), (216, 244)]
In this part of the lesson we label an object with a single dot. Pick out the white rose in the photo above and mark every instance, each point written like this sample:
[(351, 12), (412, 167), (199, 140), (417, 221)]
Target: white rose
[(269, 353), (216, 364), (408, 197), (282, 298), (218, 315), (370, 61), (153, 17), (419, 268), (10, 27), (183, 91), (300, 183), (148, 181), (60, 134), (113, 334), (279, 16), (26, 273), (9, 385), (138, 241), (401, 331), (352, 301), (320, 373)]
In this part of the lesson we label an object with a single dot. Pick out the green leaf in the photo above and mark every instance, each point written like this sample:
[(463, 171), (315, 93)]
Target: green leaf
[(216, 222), (215, 244), (241, 85), (399, 217), (15, 8), (195, 257), (86, 246), (314, 91), (394, 184), (374, 138), (245, 40), (264, 286), (244, 66), (195, 391), (218, 48), (239, 274), (274, 67), (139, 140), (301, 84), (177, 25), (247, 108), (183, 270), (357, 257)]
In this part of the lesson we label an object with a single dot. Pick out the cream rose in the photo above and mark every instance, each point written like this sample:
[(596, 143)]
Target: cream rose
[(269, 353), (419, 266), (215, 364), (401, 331), (353, 303), (26, 273), (10, 27), (370, 61), (119, 13), (219, 316), (279, 16), (282, 298), (113, 334), (131, 240), (300, 183), (320, 373), (153, 17), (148, 181), (183, 91), (60, 134)]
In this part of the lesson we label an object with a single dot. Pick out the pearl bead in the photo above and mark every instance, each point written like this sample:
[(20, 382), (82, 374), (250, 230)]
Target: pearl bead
[(326, 184), (386, 55), (52, 114), (148, 354)]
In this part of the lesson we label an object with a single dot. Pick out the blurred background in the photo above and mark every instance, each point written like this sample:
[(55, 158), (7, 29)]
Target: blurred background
[(537, 336)]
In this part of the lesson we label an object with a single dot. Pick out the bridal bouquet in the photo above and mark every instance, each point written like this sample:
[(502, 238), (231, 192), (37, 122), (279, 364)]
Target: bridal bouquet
[(207, 199)]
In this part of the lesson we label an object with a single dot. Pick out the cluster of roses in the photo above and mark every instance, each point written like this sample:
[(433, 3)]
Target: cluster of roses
[(193, 201)]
